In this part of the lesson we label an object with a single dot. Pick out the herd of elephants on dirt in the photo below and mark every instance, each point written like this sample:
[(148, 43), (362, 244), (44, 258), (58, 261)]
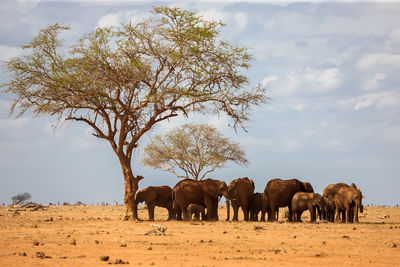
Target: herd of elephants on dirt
[(189, 199)]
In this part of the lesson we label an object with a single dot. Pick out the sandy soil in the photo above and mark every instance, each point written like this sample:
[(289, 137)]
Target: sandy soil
[(80, 235)]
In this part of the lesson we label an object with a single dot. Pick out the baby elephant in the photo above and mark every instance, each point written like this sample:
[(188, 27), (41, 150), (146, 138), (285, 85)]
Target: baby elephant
[(196, 209), (306, 201)]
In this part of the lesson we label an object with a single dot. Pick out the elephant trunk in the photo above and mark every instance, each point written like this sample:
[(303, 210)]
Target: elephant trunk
[(227, 209), (319, 212)]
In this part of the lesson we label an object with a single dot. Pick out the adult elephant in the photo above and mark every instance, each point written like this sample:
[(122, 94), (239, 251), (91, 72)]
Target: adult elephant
[(302, 201), (205, 192), (153, 196), (240, 193), (279, 193), (329, 194), (346, 200)]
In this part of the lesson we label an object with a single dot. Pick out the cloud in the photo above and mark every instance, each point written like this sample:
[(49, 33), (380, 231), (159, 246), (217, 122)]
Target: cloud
[(8, 52), (380, 100), (382, 61), (310, 80), (268, 79), (375, 81), (114, 19), (236, 22)]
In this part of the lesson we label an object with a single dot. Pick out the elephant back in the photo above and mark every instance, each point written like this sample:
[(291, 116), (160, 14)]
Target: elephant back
[(188, 189), (241, 186), (280, 192)]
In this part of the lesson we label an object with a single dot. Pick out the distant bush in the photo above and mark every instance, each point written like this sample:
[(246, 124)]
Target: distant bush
[(21, 197)]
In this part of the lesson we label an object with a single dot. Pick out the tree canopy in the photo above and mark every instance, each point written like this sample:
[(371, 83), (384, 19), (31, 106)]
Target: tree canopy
[(121, 81), (192, 151)]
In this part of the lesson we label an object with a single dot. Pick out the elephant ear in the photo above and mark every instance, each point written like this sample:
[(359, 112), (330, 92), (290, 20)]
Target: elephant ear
[(252, 183), (211, 188), (151, 195)]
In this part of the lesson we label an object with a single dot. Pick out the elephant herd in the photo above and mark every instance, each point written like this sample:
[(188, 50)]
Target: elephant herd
[(339, 202)]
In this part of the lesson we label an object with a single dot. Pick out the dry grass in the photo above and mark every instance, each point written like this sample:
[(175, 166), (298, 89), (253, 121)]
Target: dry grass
[(80, 236)]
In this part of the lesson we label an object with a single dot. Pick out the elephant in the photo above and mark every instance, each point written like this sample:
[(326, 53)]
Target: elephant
[(328, 213), (346, 200), (302, 201), (160, 196), (257, 204), (279, 193), (196, 209), (240, 192), (205, 192)]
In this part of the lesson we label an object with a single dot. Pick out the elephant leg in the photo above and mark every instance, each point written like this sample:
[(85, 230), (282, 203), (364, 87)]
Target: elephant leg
[(337, 219), (178, 214), (264, 208), (271, 213), (356, 214), (290, 213), (245, 212), (185, 216), (170, 213), (343, 216), (352, 214), (312, 214), (294, 214), (203, 215), (235, 207), (150, 210)]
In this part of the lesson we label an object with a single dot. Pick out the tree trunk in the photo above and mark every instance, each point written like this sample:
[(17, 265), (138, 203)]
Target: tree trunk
[(131, 187)]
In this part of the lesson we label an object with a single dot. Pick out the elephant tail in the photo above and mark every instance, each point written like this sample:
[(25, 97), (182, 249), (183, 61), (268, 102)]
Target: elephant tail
[(228, 204)]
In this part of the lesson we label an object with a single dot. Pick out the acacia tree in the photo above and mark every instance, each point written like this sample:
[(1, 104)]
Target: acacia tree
[(195, 150), (122, 81)]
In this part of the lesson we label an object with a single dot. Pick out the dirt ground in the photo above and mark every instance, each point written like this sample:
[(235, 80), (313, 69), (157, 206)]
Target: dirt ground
[(81, 235)]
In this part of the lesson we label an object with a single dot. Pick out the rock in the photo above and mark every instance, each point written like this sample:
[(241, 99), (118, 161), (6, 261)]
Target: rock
[(393, 245), (40, 255), (36, 243), (104, 258), (73, 242), (123, 245)]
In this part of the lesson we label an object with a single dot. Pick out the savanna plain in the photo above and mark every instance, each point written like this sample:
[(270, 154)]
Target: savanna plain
[(97, 236)]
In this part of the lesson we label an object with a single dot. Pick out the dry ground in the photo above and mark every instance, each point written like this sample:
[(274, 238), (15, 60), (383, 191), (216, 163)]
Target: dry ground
[(79, 236)]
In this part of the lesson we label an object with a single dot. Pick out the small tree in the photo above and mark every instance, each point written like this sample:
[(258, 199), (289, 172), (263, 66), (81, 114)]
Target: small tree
[(21, 197), (195, 150), (122, 81)]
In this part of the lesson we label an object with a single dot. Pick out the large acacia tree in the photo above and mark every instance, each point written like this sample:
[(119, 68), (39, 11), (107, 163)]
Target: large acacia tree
[(192, 151), (122, 81)]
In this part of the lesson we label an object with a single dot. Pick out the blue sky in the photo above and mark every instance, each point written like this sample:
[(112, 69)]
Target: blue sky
[(332, 73)]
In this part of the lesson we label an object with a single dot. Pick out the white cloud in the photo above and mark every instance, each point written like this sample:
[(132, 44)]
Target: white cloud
[(380, 100), (380, 61), (214, 14), (310, 80), (375, 81), (268, 79), (7, 52), (109, 20), (299, 107), (114, 19), (241, 20), (235, 22)]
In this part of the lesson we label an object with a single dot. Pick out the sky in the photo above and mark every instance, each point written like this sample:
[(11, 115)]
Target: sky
[(332, 73)]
